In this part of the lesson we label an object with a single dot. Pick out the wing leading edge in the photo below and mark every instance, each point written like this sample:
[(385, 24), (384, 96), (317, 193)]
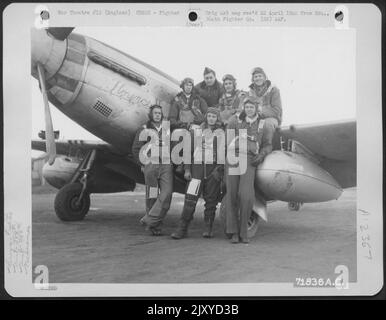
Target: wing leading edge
[(65, 147), (334, 143), (332, 140)]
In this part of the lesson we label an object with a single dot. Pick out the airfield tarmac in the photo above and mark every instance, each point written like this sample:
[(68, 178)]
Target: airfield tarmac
[(110, 245)]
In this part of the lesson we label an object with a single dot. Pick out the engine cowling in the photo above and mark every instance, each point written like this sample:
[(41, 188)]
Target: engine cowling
[(288, 176), (61, 171)]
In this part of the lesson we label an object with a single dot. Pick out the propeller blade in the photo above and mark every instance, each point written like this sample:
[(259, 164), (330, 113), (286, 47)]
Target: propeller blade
[(50, 138), (60, 33)]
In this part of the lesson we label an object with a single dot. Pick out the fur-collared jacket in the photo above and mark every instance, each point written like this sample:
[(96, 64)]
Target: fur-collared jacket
[(268, 97), (211, 94), (259, 137), (185, 111), (230, 104)]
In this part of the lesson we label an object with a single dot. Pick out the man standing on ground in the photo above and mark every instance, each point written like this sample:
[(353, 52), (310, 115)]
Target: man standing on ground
[(204, 177), (158, 172)]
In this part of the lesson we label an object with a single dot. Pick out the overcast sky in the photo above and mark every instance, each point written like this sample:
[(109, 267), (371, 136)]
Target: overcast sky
[(313, 68)]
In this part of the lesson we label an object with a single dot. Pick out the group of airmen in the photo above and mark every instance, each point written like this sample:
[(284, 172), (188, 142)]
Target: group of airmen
[(212, 105)]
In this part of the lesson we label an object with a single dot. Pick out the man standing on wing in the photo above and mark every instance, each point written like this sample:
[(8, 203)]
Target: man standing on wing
[(158, 172)]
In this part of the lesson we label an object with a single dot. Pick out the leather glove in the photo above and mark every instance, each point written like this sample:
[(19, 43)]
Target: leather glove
[(180, 169), (194, 126), (257, 159), (217, 173), (188, 175)]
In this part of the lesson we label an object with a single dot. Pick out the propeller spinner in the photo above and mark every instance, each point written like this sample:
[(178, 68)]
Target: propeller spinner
[(60, 33)]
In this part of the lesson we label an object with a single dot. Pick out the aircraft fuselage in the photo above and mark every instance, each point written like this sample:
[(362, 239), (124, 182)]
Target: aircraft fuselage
[(101, 88)]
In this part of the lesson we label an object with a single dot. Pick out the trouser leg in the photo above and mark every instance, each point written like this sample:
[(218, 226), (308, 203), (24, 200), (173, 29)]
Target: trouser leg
[(162, 203), (192, 198), (246, 197), (190, 203), (211, 197), (270, 126), (232, 203), (186, 217), (150, 198), (211, 193), (151, 188)]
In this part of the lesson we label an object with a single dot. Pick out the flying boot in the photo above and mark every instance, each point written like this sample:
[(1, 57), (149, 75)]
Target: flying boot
[(208, 220), (182, 230)]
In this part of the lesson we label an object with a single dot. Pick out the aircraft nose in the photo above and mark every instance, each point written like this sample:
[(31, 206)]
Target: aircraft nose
[(47, 51)]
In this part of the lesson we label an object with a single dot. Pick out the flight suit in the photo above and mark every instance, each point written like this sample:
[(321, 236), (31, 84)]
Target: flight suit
[(159, 190), (240, 194), (159, 178), (209, 176), (206, 180), (185, 111), (230, 104), (268, 98)]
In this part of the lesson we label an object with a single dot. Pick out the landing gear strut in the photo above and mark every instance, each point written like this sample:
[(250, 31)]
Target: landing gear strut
[(72, 202)]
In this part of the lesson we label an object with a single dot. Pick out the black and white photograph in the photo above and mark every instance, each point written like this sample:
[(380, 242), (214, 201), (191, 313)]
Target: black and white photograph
[(199, 156)]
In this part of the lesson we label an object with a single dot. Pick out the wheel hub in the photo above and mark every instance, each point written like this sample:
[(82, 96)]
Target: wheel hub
[(251, 221), (75, 204)]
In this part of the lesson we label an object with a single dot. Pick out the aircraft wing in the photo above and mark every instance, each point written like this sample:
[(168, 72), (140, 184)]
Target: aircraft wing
[(333, 143), (65, 147), (110, 157)]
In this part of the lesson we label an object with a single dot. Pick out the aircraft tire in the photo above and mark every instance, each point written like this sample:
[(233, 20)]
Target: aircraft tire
[(253, 223), (65, 206)]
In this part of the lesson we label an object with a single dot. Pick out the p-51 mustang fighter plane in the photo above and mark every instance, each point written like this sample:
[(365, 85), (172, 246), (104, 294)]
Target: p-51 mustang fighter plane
[(108, 92)]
